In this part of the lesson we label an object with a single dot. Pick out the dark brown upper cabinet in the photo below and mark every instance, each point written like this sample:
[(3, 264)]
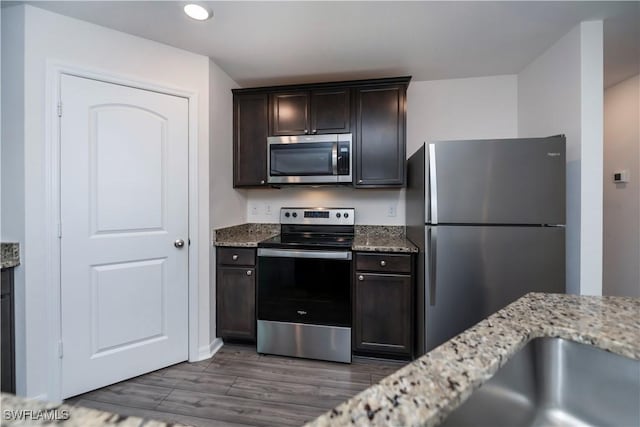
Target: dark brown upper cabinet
[(373, 111), (380, 144), (330, 111), (310, 112), (290, 113), (250, 131)]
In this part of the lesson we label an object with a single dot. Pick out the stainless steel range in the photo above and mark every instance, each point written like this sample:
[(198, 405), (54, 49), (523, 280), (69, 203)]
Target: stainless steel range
[(304, 285)]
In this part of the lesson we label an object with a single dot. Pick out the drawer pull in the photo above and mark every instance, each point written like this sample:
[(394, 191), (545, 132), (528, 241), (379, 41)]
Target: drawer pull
[(249, 272), (234, 257), (383, 263), (361, 277)]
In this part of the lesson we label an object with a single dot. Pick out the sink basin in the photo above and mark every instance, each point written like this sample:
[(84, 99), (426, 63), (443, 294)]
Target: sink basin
[(554, 382)]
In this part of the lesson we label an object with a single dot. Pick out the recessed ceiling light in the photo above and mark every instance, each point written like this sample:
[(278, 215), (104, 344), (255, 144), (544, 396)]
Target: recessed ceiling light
[(197, 12)]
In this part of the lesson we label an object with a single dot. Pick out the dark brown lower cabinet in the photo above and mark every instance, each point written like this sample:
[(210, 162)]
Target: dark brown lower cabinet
[(383, 314), (7, 334), (236, 296)]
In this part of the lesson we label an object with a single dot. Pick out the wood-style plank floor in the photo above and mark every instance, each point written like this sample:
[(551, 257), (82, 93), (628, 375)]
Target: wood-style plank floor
[(238, 387)]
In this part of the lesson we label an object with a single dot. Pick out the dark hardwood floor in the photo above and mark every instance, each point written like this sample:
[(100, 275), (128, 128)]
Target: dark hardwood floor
[(238, 387)]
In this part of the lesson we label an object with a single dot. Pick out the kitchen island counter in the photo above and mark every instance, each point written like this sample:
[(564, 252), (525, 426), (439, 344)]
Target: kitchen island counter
[(425, 391), (18, 411)]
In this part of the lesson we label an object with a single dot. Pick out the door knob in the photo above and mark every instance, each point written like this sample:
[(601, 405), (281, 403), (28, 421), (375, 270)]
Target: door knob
[(178, 243), (314, 131), (361, 277), (234, 257), (306, 131), (383, 263)]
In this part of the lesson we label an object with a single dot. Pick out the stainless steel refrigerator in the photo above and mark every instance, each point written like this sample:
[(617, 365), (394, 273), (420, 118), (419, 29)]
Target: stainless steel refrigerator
[(488, 217)]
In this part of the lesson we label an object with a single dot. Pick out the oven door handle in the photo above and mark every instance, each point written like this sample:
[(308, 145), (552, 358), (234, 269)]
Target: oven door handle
[(287, 253)]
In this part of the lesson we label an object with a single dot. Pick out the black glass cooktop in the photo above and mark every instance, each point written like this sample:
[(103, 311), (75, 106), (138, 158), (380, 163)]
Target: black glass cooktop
[(308, 240)]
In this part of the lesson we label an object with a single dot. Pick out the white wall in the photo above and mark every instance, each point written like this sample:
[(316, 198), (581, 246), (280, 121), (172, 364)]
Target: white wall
[(12, 167), (48, 37), (226, 205), (483, 107), (622, 201), (473, 108), (560, 92)]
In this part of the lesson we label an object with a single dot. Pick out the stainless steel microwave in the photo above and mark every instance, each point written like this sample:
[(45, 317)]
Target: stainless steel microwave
[(310, 159)]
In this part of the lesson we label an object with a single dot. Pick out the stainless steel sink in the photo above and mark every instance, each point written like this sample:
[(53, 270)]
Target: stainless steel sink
[(554, 382)]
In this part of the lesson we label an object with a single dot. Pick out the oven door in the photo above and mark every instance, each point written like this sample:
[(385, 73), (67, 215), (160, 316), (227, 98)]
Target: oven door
[(304, 286), (303, 159)]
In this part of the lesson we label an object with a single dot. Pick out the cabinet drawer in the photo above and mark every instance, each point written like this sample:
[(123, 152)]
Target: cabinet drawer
[(236, 256), (395, 263)]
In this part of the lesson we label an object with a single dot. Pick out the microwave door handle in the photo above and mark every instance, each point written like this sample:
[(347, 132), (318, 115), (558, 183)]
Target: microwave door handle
[(334, 158)]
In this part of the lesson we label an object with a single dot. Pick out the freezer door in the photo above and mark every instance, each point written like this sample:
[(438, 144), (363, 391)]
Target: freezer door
[(507, 181), (473, 271)]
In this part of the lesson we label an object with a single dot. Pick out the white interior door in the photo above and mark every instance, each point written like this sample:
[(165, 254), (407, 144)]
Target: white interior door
[(124, 204)]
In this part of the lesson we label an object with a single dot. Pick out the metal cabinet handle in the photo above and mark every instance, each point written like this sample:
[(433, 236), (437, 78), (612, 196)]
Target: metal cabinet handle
[(383, 263), (433, 263), (234, 257), (314, 131), (361, 278), (249, 272), (359, 181), (179, 243), (262, 181), (306, 131)]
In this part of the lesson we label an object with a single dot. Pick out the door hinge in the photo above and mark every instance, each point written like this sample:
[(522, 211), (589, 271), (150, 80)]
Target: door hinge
[(59, 109), (59, 230), (60, 349)]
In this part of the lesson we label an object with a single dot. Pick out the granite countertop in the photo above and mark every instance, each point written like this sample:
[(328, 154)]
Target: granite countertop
[(381, 238), (37, 412), (425, 391), (368, 238), (10, 254), (245, 235)]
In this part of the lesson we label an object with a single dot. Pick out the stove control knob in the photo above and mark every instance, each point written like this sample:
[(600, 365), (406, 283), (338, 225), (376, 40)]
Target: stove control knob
[(287, 214), (294, 215), (346, 215), (338, 215)]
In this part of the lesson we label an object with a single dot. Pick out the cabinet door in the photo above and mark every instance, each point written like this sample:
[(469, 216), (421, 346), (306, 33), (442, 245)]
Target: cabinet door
[(383, 313), (7, 334), (330, 111), (290, 113), (380, 136), (236, 303), (250, 131)]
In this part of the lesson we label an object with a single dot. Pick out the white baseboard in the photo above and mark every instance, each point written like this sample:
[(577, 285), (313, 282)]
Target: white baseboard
[(207, 351)]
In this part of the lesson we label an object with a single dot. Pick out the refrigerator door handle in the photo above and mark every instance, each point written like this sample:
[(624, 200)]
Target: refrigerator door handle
[(433, 261), (433, 184)]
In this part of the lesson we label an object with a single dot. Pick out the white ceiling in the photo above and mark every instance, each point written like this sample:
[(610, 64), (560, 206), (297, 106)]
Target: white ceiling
[(260, 43)]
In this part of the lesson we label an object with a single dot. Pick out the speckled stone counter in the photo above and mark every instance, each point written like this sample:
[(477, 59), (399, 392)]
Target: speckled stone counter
[(17, 411), (370, 238), (425, 391), (10, 254), (380, 238), (245, 235)]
